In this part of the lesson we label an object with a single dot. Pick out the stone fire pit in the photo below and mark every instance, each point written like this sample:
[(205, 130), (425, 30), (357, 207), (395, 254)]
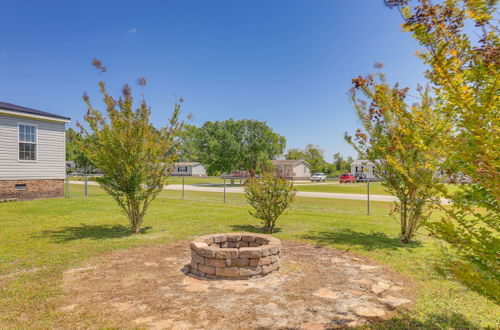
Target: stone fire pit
[(235, 255)]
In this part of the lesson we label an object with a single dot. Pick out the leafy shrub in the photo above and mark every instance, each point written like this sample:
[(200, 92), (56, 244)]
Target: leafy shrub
[(269, 195)]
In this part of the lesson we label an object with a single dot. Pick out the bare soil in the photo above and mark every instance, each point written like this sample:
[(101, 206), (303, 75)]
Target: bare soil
[(148, 287)]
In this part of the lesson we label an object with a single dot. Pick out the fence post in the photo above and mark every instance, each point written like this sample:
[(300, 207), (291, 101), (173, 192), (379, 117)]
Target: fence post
[(368, 197), (182, 187), (224, 190), (67, 187), (85, 186)]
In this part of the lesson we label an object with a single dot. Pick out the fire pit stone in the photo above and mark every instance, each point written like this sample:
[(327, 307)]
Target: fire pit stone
[(235, 255)]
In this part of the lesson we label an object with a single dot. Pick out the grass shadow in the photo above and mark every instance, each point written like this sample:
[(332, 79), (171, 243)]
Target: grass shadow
[(252, 229), (367, 241), (94, 232)]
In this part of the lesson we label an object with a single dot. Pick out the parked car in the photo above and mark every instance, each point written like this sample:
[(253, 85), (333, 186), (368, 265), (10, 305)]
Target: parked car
[(318, 177), (347, 178), (361, 177)]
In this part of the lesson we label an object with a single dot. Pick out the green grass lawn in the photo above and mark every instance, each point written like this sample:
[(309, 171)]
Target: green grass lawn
[(53, 235), (177, 180), (376, 188), (347, 188)]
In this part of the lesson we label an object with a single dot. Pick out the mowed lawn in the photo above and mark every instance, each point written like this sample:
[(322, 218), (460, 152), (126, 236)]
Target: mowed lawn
[(41, 239), (376, 188), (178, 180)]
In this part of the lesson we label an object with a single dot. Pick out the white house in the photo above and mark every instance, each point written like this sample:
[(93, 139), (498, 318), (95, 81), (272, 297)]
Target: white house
[(32, 153), (364, 166), (189, 169), (295, 169)]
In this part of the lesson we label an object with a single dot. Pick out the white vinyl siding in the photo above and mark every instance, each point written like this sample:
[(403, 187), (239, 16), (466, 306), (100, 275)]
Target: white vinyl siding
[(191, 169), (364, 166), (301, 169), (50, 156), (198, 170)]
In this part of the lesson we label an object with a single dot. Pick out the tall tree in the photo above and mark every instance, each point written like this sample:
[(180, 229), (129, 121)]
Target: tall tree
[(295, 154), (134, 156), (188, 150), (395, 138), (461, 46), (311, 154), (338, 161), (314, 156), (340, 164), (229, 145)]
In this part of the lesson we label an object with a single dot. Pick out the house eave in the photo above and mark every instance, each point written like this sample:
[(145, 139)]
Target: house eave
[(33, 116)]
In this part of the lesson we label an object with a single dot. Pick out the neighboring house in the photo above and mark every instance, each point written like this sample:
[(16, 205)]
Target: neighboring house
[(189, 169), (32, 153), (364, 166), (295, 169)]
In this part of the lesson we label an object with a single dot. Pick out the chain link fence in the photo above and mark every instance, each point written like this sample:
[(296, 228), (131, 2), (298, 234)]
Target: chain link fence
[(217, 189)]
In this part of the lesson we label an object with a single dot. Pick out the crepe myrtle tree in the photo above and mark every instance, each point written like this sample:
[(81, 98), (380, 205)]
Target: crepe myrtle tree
[(461, 47), (269, 195), (395, 137), (135, 157)]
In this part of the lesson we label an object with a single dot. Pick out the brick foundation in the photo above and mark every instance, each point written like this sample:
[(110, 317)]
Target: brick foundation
[(34, 189)]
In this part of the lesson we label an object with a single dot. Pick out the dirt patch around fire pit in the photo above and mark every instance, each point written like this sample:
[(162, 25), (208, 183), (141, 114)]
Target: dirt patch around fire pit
[(148, 287)]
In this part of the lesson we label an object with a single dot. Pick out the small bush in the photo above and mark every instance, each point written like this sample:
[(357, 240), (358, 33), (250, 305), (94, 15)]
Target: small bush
[(269, 195)]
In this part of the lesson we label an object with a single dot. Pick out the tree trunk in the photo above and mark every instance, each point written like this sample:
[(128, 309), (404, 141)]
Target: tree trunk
[(136, 221), (404, 240)]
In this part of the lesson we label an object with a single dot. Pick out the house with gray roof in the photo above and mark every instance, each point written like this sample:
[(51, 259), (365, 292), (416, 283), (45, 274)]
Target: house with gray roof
[(32, 153)]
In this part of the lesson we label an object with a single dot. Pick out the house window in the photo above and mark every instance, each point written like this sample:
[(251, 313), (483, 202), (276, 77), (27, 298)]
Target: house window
[(27, 142), (182, 169)]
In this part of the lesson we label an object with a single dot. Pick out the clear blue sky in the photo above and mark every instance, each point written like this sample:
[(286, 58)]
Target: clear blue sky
[(286, 62)]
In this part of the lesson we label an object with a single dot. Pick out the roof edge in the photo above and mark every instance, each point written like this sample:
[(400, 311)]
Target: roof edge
[(9, 107), (34, 116)]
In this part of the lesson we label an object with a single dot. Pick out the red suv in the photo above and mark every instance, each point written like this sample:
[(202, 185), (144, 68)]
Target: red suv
[(347, 178)]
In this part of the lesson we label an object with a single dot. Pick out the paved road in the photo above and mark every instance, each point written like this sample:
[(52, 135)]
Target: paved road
[(239, 190), (381, 198)]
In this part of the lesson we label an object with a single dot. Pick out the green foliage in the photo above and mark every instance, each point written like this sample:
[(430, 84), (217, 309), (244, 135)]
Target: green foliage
[(225, 146), (74, 153), (188, 149), (269, 196), (295, 154), (340, 165), (311, 154), (134, 156), (395, 137), (314, 156), (461, 46)]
